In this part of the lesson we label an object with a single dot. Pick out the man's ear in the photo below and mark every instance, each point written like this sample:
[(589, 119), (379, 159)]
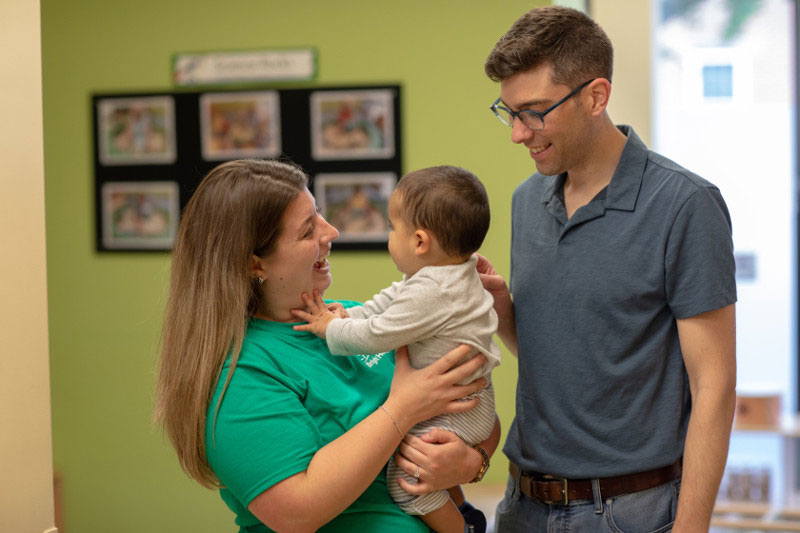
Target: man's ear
[(424, 242), (257, 267), (599, 93)]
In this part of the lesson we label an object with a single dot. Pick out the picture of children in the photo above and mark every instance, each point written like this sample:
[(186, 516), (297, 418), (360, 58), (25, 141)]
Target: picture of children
[(136, 130), (352, 124), (356, 204), (140, 214), (240, 125)]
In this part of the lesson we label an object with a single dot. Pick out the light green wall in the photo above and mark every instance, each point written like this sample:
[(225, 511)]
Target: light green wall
[(119, 474)]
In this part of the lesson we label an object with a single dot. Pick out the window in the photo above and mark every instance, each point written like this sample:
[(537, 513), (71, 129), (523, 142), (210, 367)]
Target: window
[(724, 107), (717, 81)]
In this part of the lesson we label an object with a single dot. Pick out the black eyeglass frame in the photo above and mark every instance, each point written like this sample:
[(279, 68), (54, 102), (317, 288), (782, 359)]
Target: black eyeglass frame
[(538, 114)]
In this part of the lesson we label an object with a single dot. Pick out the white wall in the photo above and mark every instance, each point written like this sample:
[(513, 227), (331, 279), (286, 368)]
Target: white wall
[(26, 504)]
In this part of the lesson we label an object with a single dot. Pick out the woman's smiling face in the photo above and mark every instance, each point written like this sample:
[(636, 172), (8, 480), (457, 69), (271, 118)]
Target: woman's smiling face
[(298, 263)]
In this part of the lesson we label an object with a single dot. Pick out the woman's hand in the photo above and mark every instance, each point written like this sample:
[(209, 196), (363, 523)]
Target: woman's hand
[(444, 461), (418, 395)]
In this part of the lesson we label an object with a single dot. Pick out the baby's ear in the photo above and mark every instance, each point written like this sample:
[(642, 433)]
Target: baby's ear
[(424, 241)]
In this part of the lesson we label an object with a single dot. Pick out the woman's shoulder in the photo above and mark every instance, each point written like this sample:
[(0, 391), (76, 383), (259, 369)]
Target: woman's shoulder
[(276, 350), (268, 339)]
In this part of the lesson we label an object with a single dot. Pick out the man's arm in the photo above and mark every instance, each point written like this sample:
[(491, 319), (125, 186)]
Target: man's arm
[(708, 343), (503, 305), (380, 302)]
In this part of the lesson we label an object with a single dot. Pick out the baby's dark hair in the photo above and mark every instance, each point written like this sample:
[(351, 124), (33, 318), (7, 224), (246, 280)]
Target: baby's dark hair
[(448, 201)]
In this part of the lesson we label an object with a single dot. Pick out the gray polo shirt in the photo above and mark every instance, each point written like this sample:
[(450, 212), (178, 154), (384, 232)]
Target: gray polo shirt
[(602, 388)]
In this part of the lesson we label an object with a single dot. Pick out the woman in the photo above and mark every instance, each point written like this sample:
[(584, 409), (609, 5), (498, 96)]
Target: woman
[(295, 438)]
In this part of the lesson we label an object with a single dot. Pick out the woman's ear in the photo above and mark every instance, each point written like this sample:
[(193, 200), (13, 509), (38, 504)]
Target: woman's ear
[(257, 267), (423, 242)]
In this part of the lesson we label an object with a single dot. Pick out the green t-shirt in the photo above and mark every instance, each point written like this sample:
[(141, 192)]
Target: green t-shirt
[(288, 398)]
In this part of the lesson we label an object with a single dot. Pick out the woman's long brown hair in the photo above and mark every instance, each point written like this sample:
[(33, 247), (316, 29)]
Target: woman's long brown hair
[(234, 213)]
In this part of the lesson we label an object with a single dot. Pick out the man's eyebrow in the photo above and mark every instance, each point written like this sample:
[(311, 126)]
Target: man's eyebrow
[(530, 103)]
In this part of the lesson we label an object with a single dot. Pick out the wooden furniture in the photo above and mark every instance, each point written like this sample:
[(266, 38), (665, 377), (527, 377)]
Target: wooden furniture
[(752, 516)]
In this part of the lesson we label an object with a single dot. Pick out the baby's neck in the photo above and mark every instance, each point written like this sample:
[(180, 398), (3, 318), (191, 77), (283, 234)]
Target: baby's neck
[(443, 259), (452, 261)]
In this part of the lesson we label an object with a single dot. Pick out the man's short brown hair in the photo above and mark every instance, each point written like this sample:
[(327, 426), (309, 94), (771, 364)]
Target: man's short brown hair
[(576, 47), (448, 201)]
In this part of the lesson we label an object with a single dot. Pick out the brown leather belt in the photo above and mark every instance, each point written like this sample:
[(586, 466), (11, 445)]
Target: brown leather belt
[(553, 489)]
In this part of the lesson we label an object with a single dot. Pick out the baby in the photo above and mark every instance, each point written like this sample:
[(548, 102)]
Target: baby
[(439, 217)]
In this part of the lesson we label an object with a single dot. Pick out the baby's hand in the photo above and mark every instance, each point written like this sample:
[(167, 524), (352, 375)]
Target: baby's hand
[(338, 309), (318, 316)]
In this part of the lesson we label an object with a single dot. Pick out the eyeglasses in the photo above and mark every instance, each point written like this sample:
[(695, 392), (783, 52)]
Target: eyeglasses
[(532, 119)]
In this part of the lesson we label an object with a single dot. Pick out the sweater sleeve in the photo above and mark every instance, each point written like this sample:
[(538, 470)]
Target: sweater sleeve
[(412, 314), (381, 301)]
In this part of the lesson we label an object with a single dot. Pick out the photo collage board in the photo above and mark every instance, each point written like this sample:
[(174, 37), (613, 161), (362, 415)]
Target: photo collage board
[(151, 151)]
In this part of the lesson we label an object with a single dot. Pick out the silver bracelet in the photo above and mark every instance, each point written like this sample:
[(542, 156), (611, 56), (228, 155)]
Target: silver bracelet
[(402, 435)]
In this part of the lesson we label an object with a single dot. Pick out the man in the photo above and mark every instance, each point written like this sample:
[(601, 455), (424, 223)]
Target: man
[(622, 316)]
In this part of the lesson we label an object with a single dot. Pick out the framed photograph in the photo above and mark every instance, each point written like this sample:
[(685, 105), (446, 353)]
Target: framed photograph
[(357, 124), (357, 204), (237, 125), (136, 131), (140, 215)]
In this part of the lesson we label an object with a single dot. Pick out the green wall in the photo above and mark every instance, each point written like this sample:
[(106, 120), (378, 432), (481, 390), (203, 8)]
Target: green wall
[(119, 473)]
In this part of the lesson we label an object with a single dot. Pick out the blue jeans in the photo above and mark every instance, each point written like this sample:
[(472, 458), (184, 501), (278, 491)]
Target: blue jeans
[(647, 511)]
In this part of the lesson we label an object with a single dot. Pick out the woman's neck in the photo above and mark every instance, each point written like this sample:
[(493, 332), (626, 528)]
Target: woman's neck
[(275, 315)]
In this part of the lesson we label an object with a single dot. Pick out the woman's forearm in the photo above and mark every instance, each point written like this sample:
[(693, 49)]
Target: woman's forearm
[(337, 474), (444, 460)]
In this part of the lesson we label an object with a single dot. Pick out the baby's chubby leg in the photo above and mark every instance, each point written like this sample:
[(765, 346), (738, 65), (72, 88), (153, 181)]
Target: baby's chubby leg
[(445, 519)]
